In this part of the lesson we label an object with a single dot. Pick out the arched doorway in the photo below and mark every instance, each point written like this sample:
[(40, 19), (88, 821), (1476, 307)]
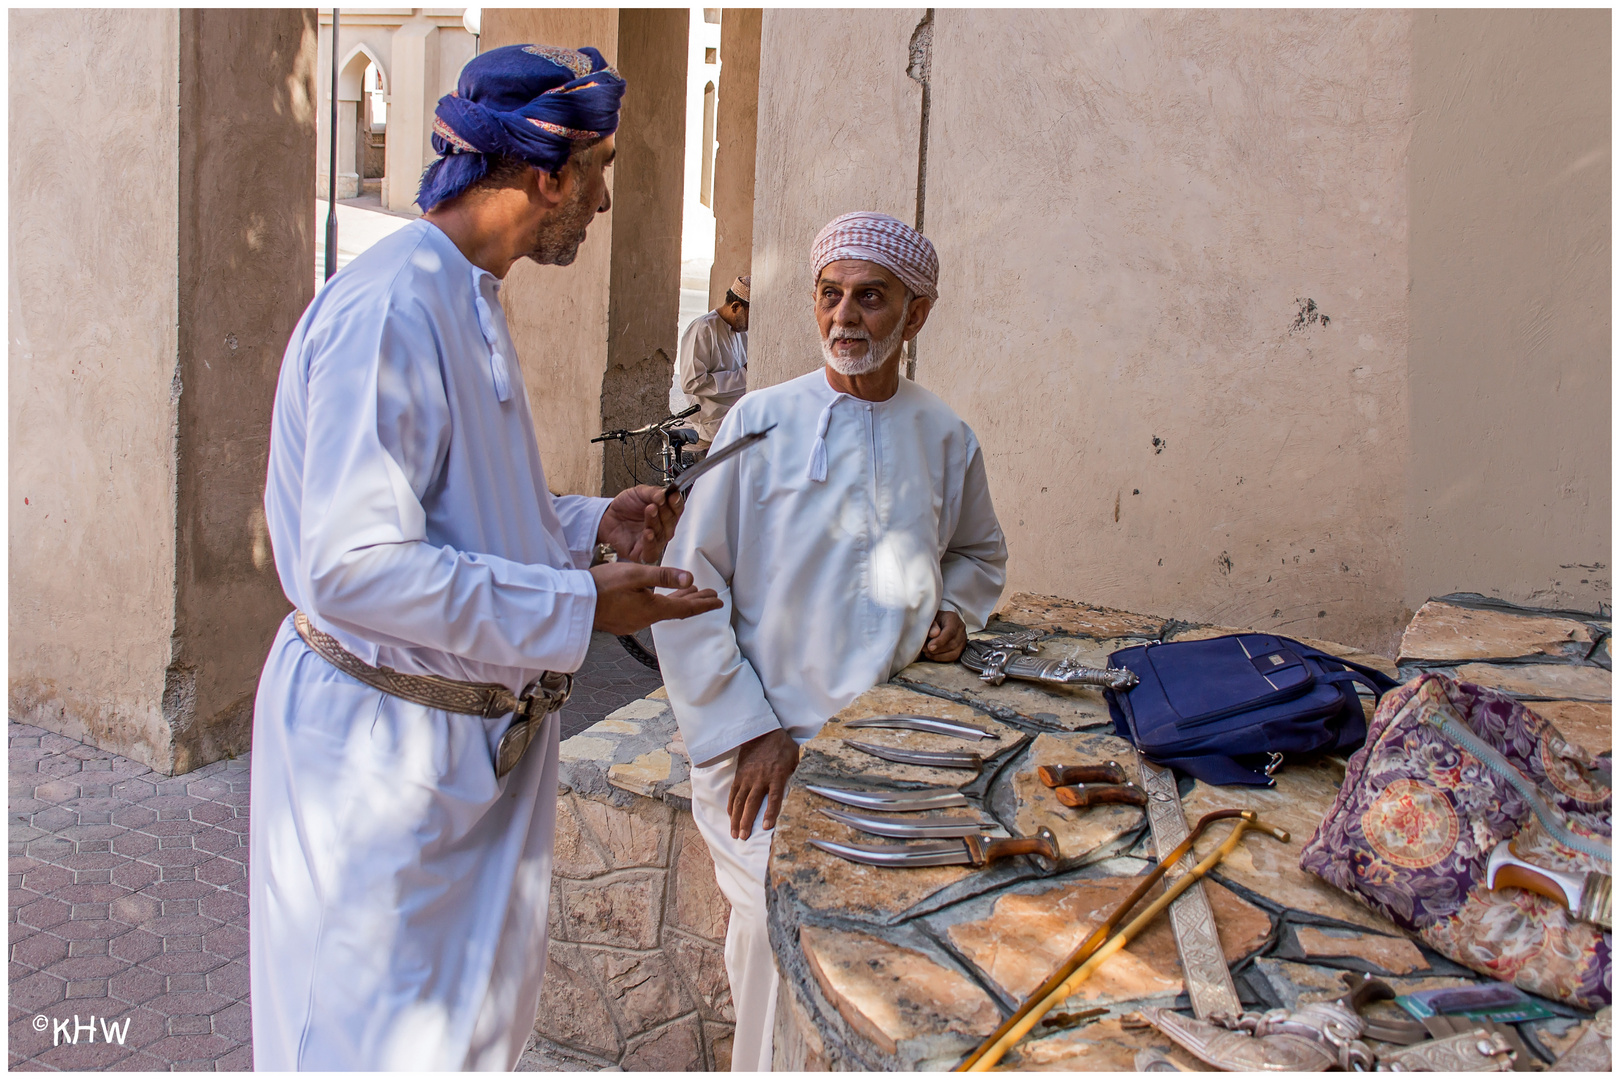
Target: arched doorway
[(360, 79)]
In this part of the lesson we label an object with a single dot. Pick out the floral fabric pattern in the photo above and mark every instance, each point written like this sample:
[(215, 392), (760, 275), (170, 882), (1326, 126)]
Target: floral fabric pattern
[(1417, 819)]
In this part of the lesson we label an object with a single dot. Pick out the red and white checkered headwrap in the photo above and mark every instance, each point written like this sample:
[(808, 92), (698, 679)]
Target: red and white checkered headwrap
[(879, 238)]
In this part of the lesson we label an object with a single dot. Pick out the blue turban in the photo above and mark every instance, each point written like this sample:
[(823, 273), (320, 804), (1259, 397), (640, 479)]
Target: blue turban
[(530, 102)]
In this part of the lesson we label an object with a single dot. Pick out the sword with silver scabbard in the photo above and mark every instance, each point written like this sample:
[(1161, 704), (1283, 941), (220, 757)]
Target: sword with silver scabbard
[(972, 850)]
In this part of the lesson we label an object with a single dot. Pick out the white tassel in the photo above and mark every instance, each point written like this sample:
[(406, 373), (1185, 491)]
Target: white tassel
[(818, 449), (497, 362)]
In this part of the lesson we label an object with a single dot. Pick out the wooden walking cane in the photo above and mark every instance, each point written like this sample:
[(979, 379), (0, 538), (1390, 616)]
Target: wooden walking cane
[(1089, 956)]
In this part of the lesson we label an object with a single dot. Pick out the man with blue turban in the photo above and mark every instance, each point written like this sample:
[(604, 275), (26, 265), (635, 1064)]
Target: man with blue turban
[(405, 731)]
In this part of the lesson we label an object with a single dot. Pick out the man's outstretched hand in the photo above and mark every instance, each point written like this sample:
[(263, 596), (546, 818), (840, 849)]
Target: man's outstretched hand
[(946, 638), (625, 601), (764, 767), (639, 522)]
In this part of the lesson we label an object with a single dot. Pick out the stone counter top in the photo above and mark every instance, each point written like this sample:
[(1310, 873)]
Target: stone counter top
[(890, 968)]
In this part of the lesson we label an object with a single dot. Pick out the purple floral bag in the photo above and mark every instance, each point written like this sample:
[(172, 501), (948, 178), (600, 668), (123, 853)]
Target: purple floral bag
[(1450, 770)]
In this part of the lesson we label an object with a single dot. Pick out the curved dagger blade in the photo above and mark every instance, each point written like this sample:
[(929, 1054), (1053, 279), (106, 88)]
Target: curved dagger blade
[(946, 759), (935, 799), (924, 829), (942, 853), (936, 724)]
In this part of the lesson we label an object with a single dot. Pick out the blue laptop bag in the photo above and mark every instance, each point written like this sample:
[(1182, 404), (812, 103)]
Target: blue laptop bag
[(1230, 710)]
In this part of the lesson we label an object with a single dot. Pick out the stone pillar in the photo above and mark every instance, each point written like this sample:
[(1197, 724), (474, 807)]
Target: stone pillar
[(597, 339), (151, 301), (737, 125), (413, 95), (645, 279)]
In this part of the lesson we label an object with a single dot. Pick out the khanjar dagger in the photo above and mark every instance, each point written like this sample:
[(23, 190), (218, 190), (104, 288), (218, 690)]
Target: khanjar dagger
[(932, 799), (939, 759), (935, 724), (930, 828), (967, 851)]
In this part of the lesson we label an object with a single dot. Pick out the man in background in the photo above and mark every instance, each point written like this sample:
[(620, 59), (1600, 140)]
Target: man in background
[(712, 369)]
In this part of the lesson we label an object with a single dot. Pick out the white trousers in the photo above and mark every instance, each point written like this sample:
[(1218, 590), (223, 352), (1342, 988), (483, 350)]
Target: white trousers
[(739, 868), (398, 892)]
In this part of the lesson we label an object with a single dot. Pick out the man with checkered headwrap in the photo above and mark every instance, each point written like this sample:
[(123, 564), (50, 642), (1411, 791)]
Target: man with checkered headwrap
[(405, 733), (859, 537)]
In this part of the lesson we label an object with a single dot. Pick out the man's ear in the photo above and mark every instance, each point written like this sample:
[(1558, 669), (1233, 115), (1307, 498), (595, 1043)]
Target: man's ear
[(551, 188), (920, 307)]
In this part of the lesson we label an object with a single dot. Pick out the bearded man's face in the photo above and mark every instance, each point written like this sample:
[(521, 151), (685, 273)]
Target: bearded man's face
[(559, 234), (861, 312)]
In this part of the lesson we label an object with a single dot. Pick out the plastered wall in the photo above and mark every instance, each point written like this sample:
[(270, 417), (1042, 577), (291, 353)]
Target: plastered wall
[(160, 243), (1511, 307), (838, 132), (92, 374), (1240, 304), (1120, 306)]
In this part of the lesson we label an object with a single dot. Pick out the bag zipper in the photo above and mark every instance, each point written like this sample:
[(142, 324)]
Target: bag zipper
[(1494, 761)]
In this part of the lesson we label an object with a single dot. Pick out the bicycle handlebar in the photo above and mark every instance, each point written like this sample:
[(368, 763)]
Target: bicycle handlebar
[(621, 434)]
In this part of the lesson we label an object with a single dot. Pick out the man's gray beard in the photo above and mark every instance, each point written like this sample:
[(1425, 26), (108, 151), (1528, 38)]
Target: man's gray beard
[(877, 353), (559, 238)]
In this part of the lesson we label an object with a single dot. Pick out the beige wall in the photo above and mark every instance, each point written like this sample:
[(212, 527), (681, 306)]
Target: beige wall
[(159, 161), (92, 379), (1511, 307), (838, 132), (1130, 237)]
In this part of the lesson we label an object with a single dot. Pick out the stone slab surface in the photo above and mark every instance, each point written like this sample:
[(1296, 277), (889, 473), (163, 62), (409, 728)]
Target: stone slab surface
[(1396, 955), (1551, 681), (893, 995), (1029, 934), (1442, 631), (1105, 1046), (1299, 801), (1587, 724)]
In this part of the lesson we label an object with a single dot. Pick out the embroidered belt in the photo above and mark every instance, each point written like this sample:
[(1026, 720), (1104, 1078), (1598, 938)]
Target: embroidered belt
[(489, 700)]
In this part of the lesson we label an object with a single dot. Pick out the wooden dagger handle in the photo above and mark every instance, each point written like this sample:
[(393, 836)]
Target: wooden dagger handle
[(1060, 775), (1041, 844), (1081, 796)]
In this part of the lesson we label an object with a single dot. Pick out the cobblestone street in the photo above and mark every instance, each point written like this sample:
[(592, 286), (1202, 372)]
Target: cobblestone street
[(128, 903)]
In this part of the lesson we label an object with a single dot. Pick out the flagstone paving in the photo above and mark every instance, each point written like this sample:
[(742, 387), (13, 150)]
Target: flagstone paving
[(128, 904)]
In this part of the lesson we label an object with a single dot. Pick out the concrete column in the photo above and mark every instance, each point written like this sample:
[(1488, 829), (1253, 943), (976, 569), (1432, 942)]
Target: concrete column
[(645, 278), (151, 301), (412, 99), (348, 178), (738, 125)]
